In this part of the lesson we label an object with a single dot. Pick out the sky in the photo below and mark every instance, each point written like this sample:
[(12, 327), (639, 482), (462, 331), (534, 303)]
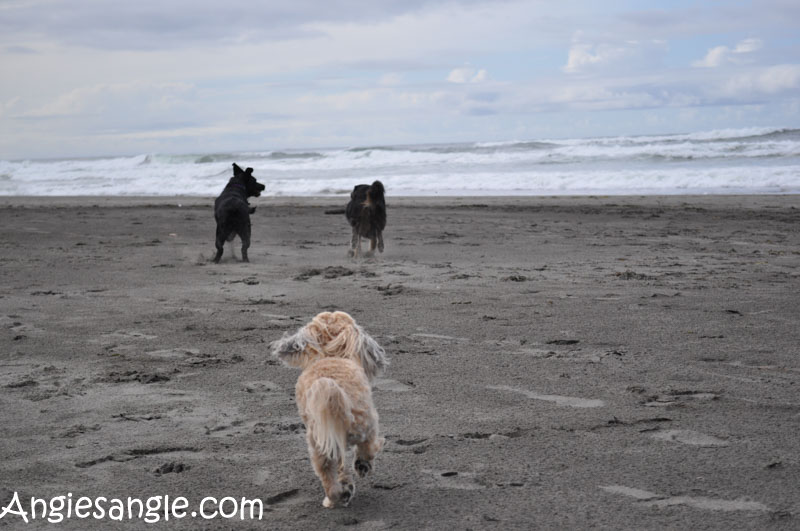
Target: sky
[(84, 78)]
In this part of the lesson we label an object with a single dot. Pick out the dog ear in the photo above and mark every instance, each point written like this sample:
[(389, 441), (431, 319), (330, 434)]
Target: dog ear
[(236, 170), (290, 348), (373, 357)]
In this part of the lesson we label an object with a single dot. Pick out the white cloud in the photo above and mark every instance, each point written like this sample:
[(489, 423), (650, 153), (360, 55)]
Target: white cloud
[(583, 55), (598, 97), (722, 55), (626, 54), (480, 76), (715, 57), (748, 45), (466, 74), (390, 79), (770, 80), (100, 98), (8, 105)]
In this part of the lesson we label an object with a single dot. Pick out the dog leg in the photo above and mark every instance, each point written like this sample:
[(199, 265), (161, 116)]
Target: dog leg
[(335, 492), (380, 242), (346, 481), (358, 246), (353, 241), (245, 236), (219, 243), (365, 454)]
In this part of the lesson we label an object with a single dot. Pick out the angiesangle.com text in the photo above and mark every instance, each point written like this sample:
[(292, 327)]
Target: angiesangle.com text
[(150, 510)]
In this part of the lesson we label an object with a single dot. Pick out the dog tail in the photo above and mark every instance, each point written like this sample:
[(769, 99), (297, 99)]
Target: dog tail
[(330, 413)]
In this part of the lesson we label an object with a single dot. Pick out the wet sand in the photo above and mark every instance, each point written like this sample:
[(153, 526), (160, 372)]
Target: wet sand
[(556, 363)]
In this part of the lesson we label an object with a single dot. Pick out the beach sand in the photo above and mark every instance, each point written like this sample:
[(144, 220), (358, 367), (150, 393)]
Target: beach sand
[(556, 363)]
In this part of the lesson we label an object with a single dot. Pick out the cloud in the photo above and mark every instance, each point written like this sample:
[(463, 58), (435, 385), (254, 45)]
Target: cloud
[(722, 55), (390, 79), (583, 55), (99, 99), (599, 97), (748, 45), (481, 111), (6, 106), (771, 80), (156, 25), (629, 54), (466, 74), (20, 50)]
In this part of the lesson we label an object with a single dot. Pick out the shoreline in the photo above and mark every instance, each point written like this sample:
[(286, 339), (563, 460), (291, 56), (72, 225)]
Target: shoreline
[(733, 200)]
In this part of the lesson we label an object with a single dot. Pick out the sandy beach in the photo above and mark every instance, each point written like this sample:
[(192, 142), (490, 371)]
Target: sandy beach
[(556, 363)]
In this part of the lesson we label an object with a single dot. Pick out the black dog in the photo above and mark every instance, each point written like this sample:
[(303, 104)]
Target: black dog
[(366, 213), (232, 211)]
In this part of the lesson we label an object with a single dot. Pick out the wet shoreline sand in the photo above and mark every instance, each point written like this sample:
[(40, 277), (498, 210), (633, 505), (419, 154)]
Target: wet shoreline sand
[(556, 362)]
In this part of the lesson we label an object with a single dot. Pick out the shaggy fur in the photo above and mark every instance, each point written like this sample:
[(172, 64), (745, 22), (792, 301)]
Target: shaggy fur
[(334, 397), (232, 211), (366, 213)]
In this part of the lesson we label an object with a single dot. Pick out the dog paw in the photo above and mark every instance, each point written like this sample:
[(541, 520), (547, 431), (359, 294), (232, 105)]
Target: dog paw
[(327, 503), (348, 491), (363, 467)]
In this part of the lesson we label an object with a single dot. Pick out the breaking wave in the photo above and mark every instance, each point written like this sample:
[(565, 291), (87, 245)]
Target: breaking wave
[(751, 160)]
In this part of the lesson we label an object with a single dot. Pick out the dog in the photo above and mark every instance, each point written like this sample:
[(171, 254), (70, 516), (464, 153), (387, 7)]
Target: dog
[(366, 213), (334, 397), (232, 211)]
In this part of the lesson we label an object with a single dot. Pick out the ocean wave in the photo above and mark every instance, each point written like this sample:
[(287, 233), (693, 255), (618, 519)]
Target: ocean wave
[(207, 159), (282, 155), (753, 159), (751, 133)]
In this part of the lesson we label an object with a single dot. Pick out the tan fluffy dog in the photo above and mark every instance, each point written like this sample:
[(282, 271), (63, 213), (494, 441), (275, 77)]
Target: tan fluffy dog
[(334, 397)]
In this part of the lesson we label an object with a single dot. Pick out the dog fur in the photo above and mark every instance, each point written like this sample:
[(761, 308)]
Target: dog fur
[(232, 211), (334, 397), (366, 213)]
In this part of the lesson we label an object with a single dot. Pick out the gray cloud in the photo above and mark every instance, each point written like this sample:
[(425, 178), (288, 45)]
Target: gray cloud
[(156, 24), (481, 111), (20, 50)]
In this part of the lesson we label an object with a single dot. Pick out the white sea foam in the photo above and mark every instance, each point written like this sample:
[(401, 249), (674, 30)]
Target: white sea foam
[(749, 161)]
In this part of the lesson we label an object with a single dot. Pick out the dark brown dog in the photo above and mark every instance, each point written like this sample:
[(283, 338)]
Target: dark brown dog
[(366, 213)]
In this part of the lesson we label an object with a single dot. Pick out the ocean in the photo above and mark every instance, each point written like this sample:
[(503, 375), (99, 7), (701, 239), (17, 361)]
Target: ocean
[(741, 161)]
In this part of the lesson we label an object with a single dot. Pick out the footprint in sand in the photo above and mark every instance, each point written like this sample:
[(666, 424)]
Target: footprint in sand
[(21, 330), (451, 479), (693, 438), (121, 335), (569, 401), (651, 499), (262, 387), (393, 386), (672, 398), (440, 337), (173, 353)]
